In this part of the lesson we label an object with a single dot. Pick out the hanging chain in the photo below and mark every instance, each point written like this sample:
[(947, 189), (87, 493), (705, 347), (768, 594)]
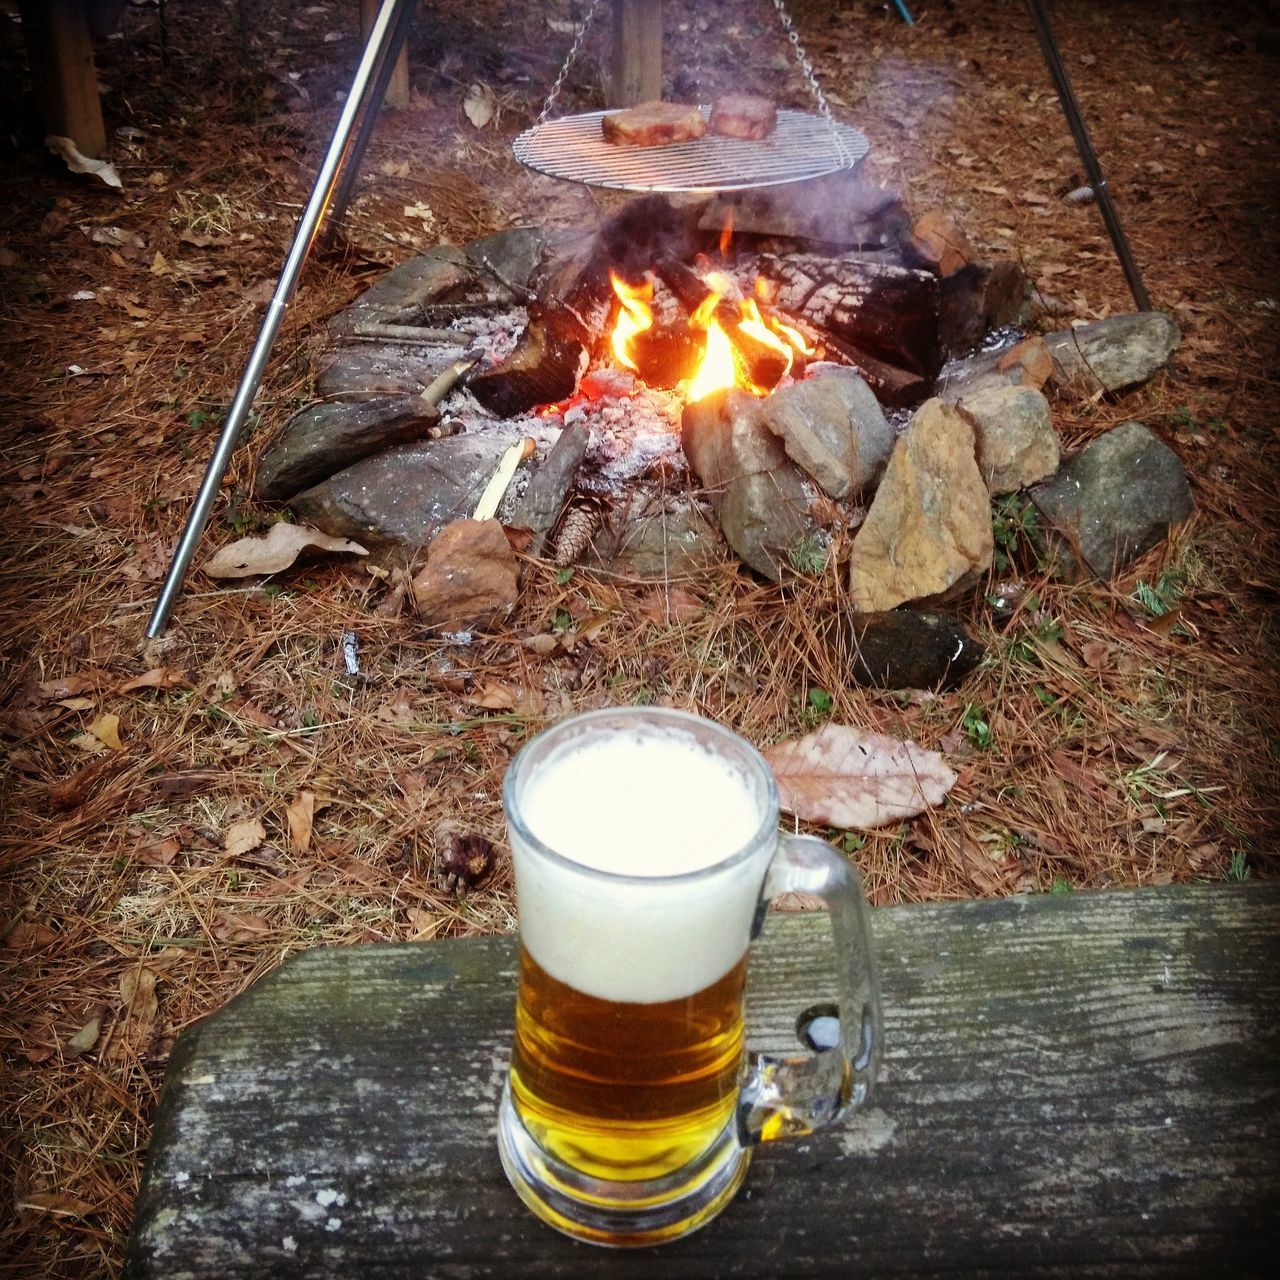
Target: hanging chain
[(695, 50), (574, 49), (811, 79)]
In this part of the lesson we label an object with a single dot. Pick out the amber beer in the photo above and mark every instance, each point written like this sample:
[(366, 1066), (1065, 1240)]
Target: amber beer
[(622, 1089), (641, 840)]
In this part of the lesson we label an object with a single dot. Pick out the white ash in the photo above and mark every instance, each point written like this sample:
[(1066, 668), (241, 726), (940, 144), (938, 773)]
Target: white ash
[(496, 331)]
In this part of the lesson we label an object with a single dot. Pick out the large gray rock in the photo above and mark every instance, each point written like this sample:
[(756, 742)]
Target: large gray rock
[(673, 544), (362, 371), (832, 425), (419, 280), (1016, 442), (1112, 354), (512, 254), (928, 532), (904, 648), (543, 499), (1111, 502), (1025, 364), (396, 501), (325, 438), (756, 491)]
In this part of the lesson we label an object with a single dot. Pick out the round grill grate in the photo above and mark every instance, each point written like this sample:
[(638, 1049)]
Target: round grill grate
[(802, 146)]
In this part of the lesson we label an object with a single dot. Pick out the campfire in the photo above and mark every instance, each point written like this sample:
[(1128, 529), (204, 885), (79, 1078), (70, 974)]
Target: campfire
[(689, 370)]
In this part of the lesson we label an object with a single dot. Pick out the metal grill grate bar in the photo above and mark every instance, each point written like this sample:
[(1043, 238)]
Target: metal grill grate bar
[(802, 146)]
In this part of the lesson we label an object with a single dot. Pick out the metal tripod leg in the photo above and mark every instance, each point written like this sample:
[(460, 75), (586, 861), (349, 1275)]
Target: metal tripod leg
[(367, 87), (1071, 109)]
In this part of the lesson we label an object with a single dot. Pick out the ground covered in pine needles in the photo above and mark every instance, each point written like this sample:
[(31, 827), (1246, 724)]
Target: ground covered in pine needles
[(181, 815)]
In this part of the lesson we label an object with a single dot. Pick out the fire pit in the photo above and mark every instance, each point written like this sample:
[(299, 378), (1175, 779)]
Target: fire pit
[(713, 362)]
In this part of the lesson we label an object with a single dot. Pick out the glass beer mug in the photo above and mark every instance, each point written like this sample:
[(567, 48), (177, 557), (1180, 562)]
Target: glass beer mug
[(646, 849)]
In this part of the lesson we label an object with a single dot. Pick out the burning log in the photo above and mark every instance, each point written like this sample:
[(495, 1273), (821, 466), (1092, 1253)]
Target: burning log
[(890, 313), (764, 362), (550, 357)]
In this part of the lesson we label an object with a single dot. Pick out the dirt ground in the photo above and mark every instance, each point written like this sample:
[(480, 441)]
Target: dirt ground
[(181, 815)]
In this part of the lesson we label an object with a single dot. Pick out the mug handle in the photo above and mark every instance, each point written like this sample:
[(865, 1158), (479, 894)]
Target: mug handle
[(792, 1096)]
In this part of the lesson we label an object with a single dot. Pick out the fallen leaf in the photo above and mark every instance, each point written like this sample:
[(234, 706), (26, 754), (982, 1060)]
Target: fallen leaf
[(1096, 654), (543, 645), (75, 704), (670, 606), (79, 163), (479, 105), (846, 778), (161, 853), (26, 935), (498, 695), (106, 728), (138, 990), (278, 550), (300, 815), (87, 1036), (156, 678), (399, 710), (160, 265), (53, 1202), (240, 926), (243, 836)]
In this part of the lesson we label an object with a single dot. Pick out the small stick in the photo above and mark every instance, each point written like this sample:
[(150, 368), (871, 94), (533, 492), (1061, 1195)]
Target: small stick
[(445, 382), (516, 290), (412, 333), (487, 507)]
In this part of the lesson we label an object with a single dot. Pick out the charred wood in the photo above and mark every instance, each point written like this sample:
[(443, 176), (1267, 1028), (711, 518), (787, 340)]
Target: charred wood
[(890, 313), (549, 359)]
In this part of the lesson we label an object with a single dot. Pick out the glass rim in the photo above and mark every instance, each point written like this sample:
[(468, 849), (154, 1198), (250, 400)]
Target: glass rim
[(766, 831)]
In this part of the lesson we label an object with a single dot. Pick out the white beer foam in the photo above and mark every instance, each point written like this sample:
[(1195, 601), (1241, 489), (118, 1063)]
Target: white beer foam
[(640, 803)]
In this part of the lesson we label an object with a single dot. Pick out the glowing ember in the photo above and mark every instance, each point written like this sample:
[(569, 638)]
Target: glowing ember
[(635, 316)]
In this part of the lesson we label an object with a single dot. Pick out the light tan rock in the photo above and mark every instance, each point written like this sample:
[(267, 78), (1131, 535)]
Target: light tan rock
[(1016, 442), (939, 239), (928, 532), (469, 579)]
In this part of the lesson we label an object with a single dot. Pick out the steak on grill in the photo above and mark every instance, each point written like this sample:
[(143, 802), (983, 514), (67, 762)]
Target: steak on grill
[(739, 115), (653, 124)]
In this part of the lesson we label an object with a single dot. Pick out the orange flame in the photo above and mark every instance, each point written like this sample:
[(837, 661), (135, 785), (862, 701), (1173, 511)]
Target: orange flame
[(635, 316), (726, 234)]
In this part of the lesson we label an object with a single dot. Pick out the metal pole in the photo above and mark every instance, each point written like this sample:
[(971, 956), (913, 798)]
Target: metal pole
[(386, 28), (1071, 109), (384, 69)]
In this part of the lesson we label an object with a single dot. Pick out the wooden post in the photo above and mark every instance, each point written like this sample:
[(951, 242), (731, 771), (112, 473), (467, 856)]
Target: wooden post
[(637, 52), (397, 94), (60, 52)]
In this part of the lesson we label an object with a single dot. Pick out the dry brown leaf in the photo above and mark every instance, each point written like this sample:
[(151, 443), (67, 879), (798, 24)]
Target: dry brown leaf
[(543, 645), (138, 991), (847, 778), (240, 926), (498, 695), (674, 606), (53, 1202), (300, 815), (156, 678), (277, 551), (106, 728), (399, 711), (161, 853), (87, 1036), (26, 935), (242, 837)]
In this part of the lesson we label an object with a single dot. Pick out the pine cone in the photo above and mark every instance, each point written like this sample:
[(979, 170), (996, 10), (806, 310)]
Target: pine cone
[(579, 523)]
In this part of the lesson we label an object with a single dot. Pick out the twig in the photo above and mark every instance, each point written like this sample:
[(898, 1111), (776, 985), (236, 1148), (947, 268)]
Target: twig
[(411, 333)]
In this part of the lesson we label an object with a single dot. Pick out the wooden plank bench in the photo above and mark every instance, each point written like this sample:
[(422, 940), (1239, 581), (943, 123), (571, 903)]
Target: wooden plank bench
[(1075, 1085)]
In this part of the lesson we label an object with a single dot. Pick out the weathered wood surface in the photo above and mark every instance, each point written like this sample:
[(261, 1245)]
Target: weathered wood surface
[(1073, 1086), (60, 54), (637, 52)]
